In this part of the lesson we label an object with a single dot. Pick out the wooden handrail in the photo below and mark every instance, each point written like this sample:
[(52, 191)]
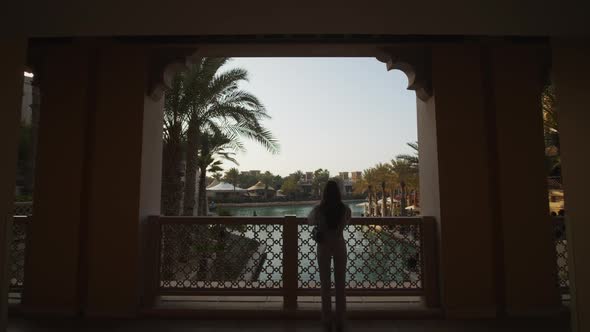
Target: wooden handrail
[(222, 220), (281, 220)]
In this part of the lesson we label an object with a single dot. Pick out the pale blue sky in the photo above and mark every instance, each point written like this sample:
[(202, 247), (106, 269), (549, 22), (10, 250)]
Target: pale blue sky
[(343, 114)]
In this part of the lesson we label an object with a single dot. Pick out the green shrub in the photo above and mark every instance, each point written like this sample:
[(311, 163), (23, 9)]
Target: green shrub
[(224, 213)]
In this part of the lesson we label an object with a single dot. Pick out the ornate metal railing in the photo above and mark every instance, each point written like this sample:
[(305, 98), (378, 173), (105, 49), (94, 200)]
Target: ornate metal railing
[(560, 241), (203, 254), (23, 209), (17, 253), (276, 256)]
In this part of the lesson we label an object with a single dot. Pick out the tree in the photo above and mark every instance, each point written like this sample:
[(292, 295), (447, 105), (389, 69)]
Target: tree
[(385, 178), (413, 160), (298, 175), (217, 176), (551, 131), (175, 112), (232, 176), (277, 182), (320, 178), (366, 184), (247, 180), (212, 102), (290, 186), (267, 179), (214, 147), (405, 173)]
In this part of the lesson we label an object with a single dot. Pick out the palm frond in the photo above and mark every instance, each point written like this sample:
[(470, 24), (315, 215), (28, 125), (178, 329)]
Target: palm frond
[(257, 134)]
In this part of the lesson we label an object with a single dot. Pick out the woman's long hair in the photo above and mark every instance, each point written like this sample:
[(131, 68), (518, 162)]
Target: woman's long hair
[(331, 205)]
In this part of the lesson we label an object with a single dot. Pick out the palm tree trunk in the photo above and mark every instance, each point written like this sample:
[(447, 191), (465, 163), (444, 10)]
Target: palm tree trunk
[(392, 212), (202, 204), (370, 214), (191, 169), (403, 199), (171, 175), (384, 209)]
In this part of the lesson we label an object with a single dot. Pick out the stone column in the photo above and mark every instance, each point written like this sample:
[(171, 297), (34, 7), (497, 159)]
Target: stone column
[(52, 274), (571, 74), (123, 179), (515, 78), (151, 187), (12, 65), (454, 180)]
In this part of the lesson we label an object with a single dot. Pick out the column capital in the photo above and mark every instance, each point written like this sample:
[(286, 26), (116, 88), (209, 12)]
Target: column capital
[(415, 62), (164, 64)]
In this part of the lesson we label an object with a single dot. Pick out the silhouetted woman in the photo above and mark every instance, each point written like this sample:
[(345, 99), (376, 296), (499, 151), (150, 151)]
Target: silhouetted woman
[(331, 215)]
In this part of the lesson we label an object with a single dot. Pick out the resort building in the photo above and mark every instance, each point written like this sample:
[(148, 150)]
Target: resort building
[(484, 249), (224, 190), (355, 176), (261, 190)]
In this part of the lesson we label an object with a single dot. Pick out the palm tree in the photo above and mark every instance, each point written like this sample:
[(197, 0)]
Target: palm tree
[(232, 176), (551, 131), (216, 104), (266, 178), (173, 141), (413, 159), (298, 175), (213, 148), (405, 173), (366, 184), (384, 178), (320, 178)]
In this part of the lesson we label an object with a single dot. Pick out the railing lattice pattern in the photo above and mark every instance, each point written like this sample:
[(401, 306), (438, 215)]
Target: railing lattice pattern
[(380, 257), (23, 209), (560, 241), (221, 256), (17, 253)]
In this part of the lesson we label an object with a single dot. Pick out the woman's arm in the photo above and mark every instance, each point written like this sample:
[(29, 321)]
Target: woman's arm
[(312, 218), (346, 219)]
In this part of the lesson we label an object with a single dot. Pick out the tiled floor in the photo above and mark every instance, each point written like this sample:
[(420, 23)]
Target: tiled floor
[(271, 307), (276, 302), (149, 325)]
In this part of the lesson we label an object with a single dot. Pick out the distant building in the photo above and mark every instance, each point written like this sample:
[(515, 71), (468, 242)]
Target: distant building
[(343, 175), (261, 190), (224, 190), (355, 176), (305, 183)]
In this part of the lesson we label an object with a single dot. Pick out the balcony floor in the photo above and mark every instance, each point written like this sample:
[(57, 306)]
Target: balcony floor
[(148, 325), (271, 307)]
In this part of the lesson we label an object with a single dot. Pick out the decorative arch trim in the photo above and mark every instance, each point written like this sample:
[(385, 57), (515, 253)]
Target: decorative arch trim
[(415, 62)]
